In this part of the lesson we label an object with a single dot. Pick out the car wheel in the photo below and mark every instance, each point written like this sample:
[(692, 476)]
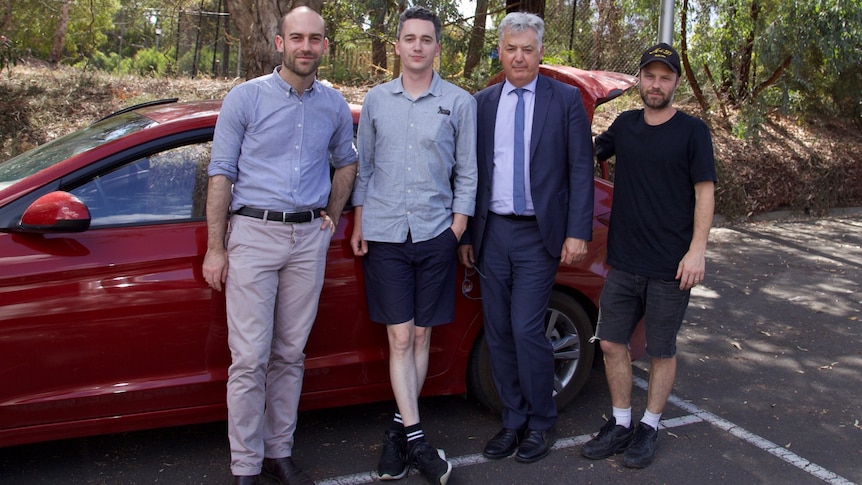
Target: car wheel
[(570, 329)]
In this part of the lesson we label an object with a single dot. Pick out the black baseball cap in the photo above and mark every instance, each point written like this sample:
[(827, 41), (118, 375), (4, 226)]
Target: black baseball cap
[(661, 53)]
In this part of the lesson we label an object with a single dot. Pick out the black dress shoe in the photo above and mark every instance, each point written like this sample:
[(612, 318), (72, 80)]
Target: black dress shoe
[(536, 445), (285, 471), (503, 444), (246, 480)]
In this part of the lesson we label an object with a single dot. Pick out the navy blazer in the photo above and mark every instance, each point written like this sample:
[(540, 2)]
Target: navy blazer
[(561, 164)]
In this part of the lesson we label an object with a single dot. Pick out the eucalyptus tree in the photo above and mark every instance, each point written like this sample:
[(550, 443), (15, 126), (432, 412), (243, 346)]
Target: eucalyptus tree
[(59, 30), (798, 55)]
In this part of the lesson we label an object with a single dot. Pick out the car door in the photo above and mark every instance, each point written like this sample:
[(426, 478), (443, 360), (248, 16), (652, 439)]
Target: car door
[(115, 323)]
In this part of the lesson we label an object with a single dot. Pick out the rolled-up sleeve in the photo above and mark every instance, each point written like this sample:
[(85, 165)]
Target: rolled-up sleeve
[(228, 136), (365, 148)]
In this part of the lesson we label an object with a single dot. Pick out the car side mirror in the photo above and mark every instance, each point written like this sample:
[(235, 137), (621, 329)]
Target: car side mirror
[(56, 212)]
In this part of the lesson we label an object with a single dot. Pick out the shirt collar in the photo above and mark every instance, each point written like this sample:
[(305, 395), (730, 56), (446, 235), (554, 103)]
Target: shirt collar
[(281, 83), (530, 86), (436, 88)]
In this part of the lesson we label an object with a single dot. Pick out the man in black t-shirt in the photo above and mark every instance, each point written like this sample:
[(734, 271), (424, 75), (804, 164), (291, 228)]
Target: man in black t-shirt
[(662, 212)]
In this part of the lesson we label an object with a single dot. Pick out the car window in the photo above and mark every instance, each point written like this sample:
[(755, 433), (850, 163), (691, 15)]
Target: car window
[(60, 149), (166, 186)]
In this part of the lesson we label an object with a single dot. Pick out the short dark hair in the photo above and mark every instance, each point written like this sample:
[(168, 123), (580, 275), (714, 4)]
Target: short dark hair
[(420, 13)]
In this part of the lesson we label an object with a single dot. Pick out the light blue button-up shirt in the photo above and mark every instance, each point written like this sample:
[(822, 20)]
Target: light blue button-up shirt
[(504, 149), (417, 161), (276, 144)]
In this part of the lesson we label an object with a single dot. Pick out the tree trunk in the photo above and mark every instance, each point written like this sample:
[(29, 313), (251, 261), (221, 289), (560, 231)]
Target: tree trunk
[(256, 22), (747, 50), (477, 38), (60, 34), (692, 81), (533, 6), (378, 41)]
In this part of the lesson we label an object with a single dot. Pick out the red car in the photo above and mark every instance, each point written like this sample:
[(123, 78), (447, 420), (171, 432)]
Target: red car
[(107, 325)]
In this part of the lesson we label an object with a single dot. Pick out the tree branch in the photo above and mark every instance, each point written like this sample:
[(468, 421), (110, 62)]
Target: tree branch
[(773, 78)]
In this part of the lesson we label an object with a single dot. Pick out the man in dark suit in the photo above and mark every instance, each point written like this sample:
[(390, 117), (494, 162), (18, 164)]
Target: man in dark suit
[(534, 209)]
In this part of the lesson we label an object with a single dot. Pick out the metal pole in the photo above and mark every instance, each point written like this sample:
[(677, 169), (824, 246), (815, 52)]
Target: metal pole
[(665, 22)]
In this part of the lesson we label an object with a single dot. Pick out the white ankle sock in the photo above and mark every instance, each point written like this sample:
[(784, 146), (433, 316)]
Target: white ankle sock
[(623, 417), (651, 419)]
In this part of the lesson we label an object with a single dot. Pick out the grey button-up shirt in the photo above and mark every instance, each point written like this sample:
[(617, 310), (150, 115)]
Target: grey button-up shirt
[(417, 161)]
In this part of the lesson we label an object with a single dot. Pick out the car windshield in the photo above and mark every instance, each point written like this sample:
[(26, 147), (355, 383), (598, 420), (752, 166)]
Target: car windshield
[(60, 149)]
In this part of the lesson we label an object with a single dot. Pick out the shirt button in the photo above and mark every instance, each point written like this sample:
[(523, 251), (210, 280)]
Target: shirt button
[(299, 125)]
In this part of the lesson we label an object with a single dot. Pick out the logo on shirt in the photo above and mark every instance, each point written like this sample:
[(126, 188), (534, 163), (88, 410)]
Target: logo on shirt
[(442, 111)]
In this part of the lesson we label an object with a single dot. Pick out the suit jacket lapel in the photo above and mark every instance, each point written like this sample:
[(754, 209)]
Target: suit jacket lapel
[(540, 112)]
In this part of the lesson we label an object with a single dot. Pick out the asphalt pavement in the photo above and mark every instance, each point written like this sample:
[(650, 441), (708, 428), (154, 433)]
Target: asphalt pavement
[(767, 392)]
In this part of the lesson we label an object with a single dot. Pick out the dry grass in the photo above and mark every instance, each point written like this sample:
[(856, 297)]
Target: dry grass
[(806, 165)]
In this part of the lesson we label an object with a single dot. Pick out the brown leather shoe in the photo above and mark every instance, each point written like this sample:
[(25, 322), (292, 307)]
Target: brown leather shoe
[(246, 480), (285, 471)]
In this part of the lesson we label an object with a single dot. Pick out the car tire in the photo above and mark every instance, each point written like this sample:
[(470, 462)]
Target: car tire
[(570, 330)]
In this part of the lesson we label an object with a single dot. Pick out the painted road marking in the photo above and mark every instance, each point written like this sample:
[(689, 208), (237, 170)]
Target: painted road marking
[(696, 415)]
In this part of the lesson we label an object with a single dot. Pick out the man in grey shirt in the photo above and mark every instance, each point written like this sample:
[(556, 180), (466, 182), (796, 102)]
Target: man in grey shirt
[(415, 190)]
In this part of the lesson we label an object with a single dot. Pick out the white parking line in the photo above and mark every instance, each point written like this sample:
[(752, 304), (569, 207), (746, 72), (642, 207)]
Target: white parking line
[(696, 415), (764, 444)]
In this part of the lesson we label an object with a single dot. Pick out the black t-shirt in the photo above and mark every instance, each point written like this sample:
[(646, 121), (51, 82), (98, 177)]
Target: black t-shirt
[(652, 220)]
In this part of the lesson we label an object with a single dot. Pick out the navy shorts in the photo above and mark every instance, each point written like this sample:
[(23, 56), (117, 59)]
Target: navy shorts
[(627, 297), (408, 280)]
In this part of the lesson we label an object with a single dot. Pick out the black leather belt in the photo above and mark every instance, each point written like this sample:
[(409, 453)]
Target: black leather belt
[(515, 217), (285, 217)]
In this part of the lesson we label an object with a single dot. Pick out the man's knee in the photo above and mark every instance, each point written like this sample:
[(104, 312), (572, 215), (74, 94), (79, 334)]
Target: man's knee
[(401, 337), (613, 350)]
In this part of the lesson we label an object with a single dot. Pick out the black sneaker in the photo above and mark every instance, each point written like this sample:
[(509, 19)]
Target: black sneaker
[(431, 462), (612, 439), (641, 451), (393, 459)]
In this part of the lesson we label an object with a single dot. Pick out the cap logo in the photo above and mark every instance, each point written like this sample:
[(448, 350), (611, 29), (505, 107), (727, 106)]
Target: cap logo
[(660, 52)]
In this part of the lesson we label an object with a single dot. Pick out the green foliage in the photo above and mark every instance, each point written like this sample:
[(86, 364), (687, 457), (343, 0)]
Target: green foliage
[(149, 62), (186, 63), (804, 54), (800, 56), (34, 23), (9, 55)]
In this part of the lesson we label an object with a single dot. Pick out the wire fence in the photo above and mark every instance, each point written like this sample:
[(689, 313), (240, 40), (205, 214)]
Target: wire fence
[(589, 34)]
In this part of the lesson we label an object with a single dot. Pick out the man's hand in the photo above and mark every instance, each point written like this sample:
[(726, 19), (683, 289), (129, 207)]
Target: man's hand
[(465, 255), (359, 245), (215, 268), (691, 269), (574, 250), (459, 225), (327, 222)]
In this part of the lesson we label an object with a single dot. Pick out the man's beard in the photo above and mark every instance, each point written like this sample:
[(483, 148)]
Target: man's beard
[(292, 66), (661, 103)]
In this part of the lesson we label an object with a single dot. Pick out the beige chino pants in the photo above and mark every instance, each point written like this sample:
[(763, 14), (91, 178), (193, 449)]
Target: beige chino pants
[(275, 275)]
